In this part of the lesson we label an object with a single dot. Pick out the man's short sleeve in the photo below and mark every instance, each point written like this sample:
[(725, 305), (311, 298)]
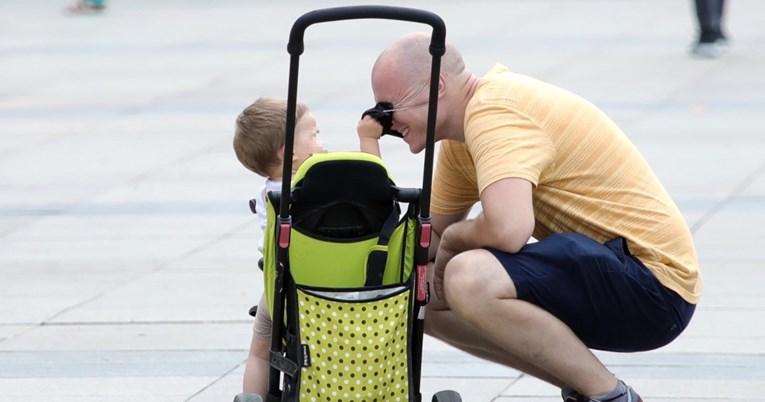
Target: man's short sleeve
[(454, 187), (505, 143)]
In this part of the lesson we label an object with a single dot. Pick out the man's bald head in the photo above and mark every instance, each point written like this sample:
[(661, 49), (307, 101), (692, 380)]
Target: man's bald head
[(407, 62)]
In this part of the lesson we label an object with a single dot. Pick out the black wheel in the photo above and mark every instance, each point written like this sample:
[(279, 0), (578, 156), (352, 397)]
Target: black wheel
[(243, 397), (447, 396)]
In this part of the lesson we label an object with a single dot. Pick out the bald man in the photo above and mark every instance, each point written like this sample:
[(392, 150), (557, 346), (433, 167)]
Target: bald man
[(614, 267)]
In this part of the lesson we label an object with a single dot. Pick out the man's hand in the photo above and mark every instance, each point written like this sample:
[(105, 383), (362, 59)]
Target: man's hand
[(443, 256)]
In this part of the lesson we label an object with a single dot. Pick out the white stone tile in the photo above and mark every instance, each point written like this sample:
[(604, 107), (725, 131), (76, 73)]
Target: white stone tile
[(227, 336), (732, 233), (222, 390), (172, 297), (131, 222), (528, 386), (10, 332), (96, 389), (756, 187), (679, 389), (137, 254)]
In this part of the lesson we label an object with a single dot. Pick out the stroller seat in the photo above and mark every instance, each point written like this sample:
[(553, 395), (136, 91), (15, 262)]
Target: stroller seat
[(350, 304)]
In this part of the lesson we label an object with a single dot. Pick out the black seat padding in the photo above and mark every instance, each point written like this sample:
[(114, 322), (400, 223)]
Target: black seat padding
[(343, 199)]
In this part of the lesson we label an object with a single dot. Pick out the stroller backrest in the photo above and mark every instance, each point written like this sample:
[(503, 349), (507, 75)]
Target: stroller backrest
[(342, 198), (341, 204)]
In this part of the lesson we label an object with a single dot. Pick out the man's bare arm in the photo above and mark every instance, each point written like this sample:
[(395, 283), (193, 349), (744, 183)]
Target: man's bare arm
[(506, 223)]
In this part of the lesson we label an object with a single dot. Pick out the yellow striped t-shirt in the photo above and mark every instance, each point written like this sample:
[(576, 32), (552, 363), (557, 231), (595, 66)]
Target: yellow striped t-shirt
[(588, 177)]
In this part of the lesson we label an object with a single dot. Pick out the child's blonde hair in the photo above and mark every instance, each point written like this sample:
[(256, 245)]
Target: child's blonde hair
[(260, 133)]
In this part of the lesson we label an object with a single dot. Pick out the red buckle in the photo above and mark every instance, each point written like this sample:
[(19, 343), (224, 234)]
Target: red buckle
[(284, 235), (425, 235)]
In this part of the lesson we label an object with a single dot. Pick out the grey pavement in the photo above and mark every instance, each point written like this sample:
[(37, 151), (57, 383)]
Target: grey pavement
[(127, 251)]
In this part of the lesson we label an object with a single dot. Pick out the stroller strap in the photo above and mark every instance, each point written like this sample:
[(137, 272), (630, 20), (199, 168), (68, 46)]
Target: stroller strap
[(378, 256)]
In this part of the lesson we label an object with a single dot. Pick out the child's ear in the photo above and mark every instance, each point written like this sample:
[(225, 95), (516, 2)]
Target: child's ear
[(280, 154)]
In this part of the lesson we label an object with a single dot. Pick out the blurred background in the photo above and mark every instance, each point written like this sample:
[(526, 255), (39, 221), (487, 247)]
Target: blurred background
[(127, 249)]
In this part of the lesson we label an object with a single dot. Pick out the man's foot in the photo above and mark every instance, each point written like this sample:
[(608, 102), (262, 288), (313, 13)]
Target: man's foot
[(247, 397), (85, 7), (570, 395), (710, 50)]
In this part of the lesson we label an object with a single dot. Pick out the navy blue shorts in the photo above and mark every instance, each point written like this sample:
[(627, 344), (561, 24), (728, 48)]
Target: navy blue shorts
[(605, 295)]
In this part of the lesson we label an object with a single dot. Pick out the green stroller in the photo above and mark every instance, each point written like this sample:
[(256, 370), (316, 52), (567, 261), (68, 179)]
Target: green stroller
[(345, 266)]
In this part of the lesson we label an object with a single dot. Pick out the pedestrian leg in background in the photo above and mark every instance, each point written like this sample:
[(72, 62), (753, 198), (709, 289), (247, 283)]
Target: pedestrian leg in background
[(711, 41)]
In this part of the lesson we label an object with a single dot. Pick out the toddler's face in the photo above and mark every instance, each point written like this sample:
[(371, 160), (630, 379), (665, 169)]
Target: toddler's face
[(307, 140)]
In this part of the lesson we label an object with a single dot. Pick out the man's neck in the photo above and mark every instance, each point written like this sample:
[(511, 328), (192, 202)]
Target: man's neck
[(466, 90)]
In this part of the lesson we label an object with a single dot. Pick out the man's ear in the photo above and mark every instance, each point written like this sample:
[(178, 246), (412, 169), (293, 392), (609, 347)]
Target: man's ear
[(441, 85)]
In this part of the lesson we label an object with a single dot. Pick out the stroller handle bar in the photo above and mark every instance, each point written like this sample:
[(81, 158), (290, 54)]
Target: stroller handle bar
[(283, 279), (438, 38), (295, 47)]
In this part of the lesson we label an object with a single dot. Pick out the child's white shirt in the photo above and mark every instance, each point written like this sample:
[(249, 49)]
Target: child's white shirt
[(260, 207)]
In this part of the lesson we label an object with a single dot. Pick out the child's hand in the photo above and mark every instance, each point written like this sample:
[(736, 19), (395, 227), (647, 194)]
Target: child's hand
[(370, 131), (369, 128)]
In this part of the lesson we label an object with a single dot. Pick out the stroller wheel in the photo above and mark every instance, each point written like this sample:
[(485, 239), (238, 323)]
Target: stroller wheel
[(244, 397), (447, 396)]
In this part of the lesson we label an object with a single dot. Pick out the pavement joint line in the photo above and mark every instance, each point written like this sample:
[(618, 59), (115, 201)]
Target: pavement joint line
[(212, 383), (128, 323), (174, 207), (93, 298), (743, 185)]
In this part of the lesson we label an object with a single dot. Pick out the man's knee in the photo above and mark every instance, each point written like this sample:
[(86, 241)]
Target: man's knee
[(461, 274), (476, 274)]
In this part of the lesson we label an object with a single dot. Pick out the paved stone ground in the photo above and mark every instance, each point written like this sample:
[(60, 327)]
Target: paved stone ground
[(127, 251)]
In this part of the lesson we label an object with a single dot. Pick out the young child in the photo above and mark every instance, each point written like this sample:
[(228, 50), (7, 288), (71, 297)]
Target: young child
[(259, 145)]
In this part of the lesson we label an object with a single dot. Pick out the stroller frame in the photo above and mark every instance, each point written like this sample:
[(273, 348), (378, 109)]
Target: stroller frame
[(284, 363)]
